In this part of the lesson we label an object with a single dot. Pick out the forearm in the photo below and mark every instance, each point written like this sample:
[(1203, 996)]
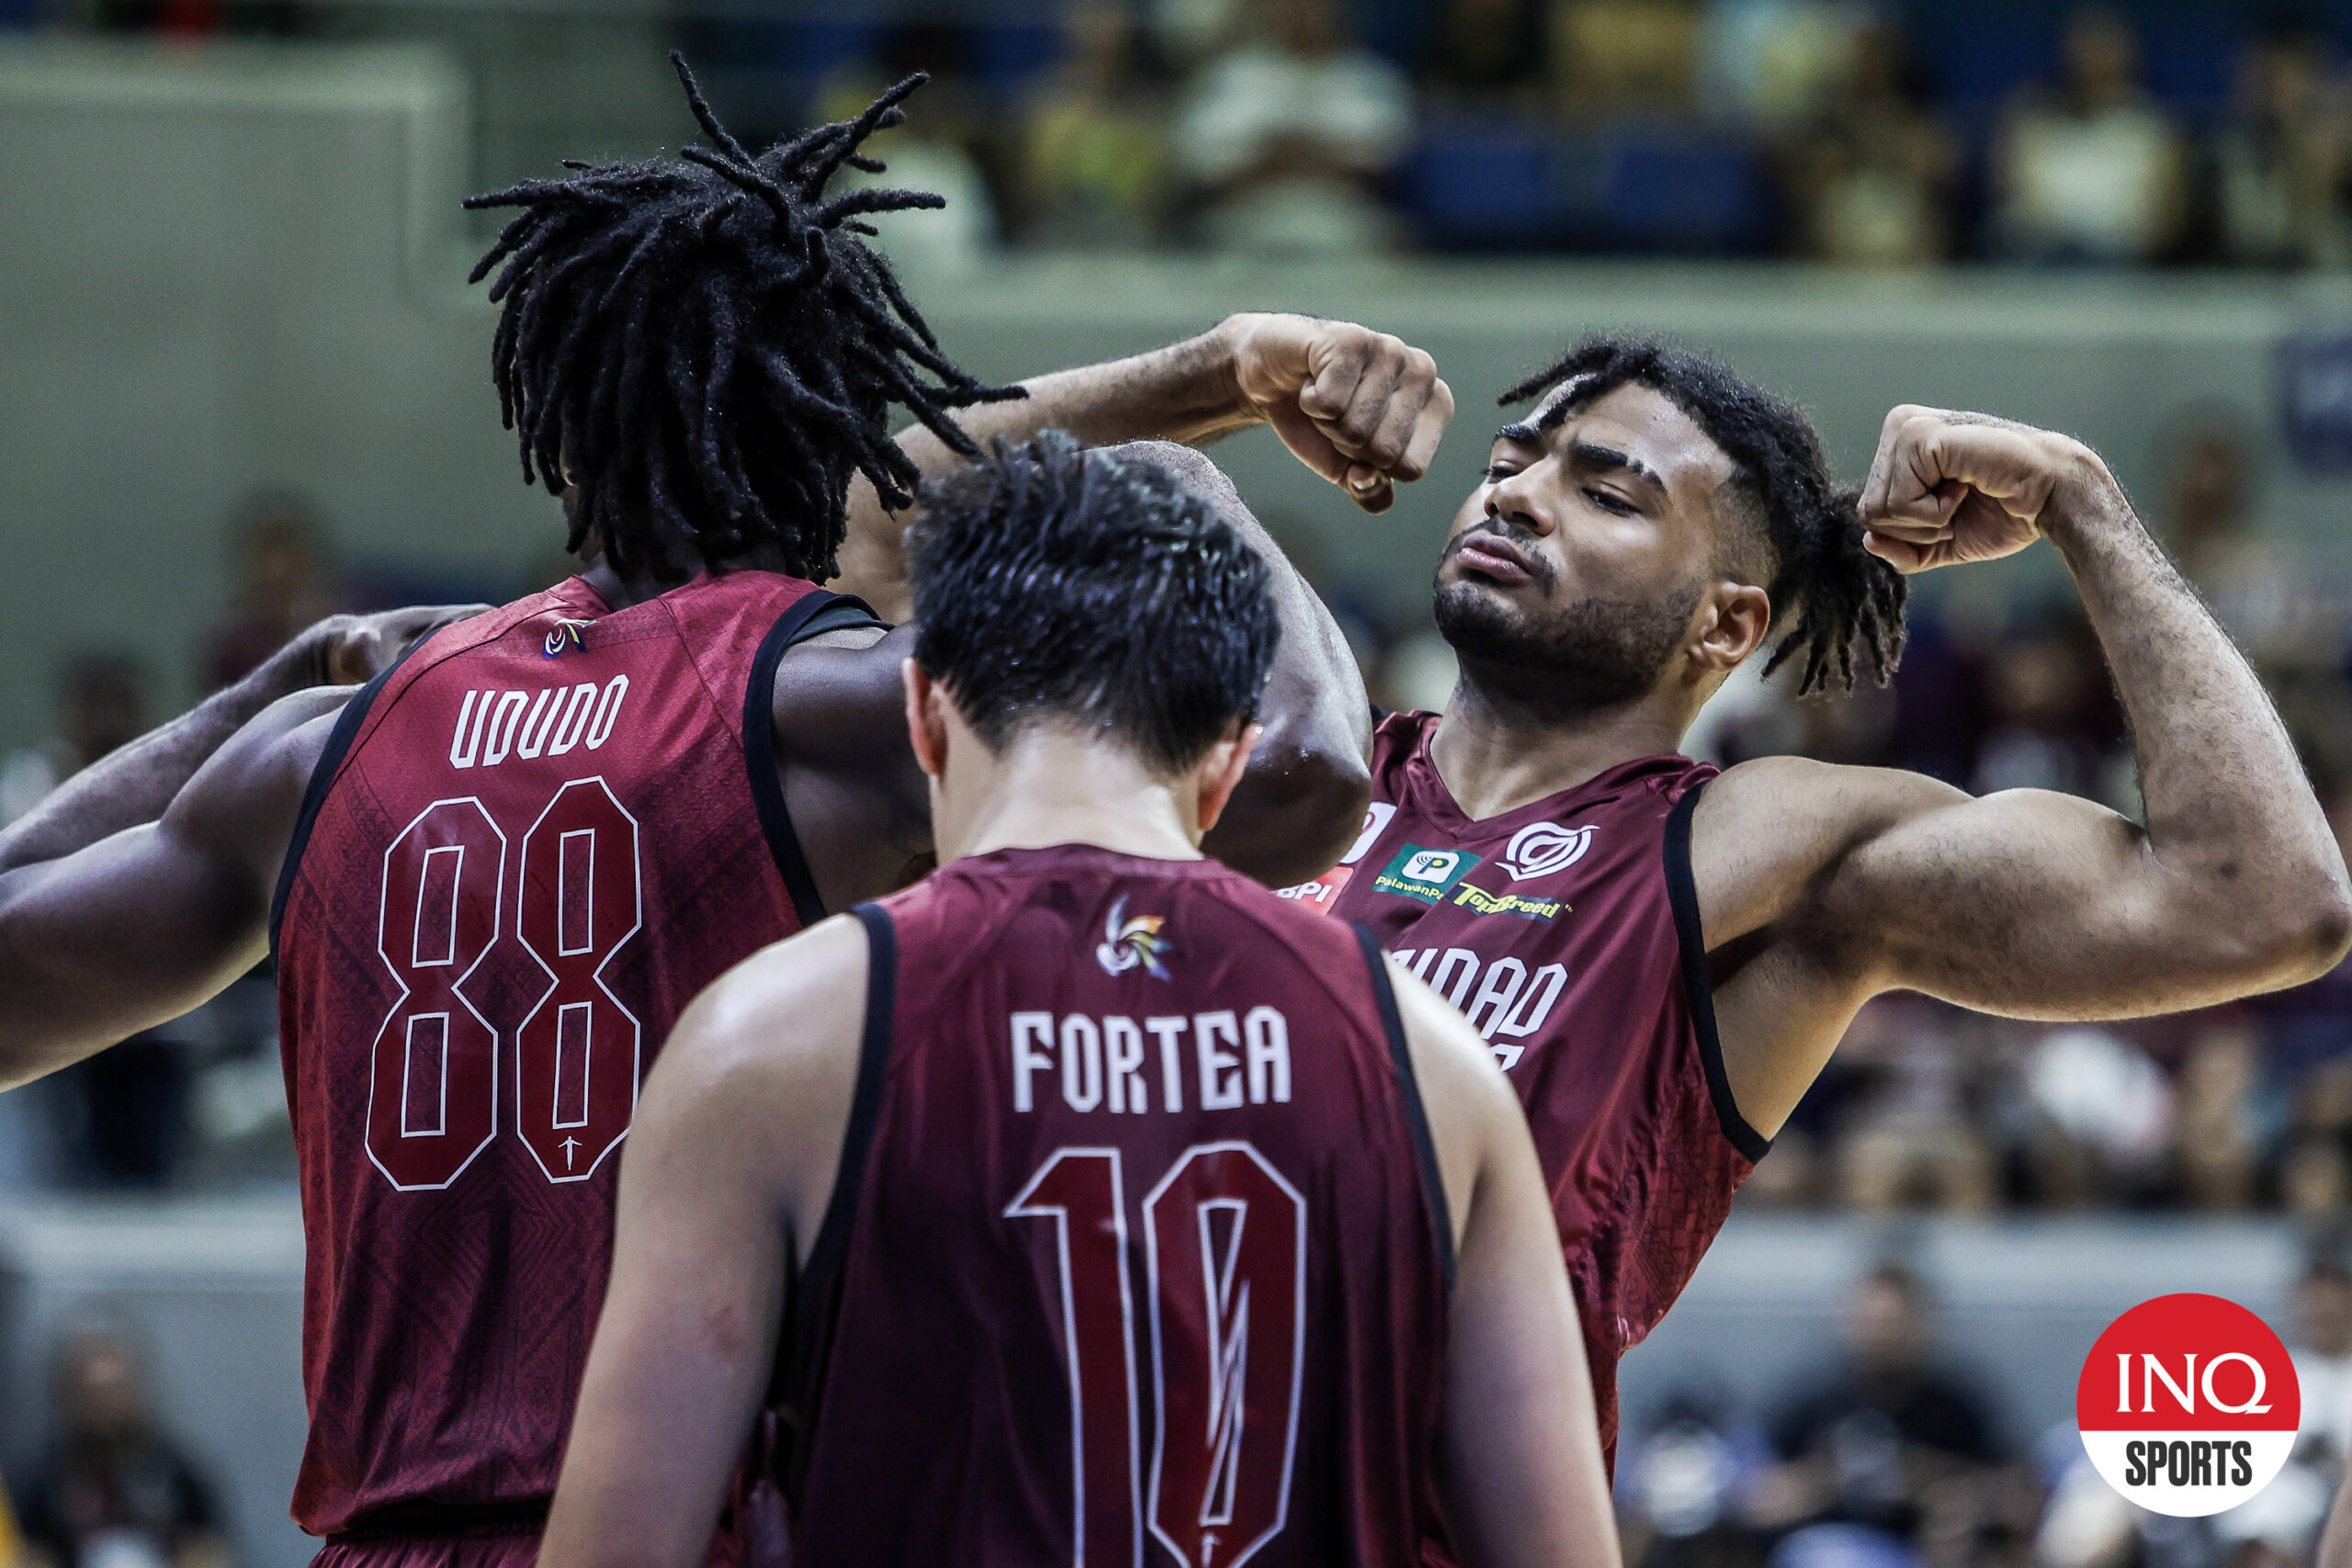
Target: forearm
[(134, 782), (1303, 799), (2239, 844), (1184, 392)]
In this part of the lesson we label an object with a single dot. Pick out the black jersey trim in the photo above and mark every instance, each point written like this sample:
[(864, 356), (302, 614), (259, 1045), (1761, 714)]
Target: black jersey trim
[(813, 615), (314, 794), (866, 1104), (1416, 1112), (1682, 893)]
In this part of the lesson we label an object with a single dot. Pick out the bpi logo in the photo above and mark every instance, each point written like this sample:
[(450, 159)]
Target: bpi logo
[(2188, 1405), (1541, 848)]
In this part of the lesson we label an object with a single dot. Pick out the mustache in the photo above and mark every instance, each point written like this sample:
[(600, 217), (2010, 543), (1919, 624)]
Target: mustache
[(1524, 540)]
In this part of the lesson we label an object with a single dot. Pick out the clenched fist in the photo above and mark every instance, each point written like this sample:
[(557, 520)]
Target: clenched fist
[(1947, 488), (1360, 408)]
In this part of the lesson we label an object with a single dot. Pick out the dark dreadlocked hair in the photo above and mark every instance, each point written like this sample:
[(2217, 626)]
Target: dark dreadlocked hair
[(1848, 602), (708, 353)]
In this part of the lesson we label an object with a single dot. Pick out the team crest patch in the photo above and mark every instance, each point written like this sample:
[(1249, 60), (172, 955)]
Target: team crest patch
[(1479, 901), (1541, 848), (1424, 873), (1127, 944), (565, 635)]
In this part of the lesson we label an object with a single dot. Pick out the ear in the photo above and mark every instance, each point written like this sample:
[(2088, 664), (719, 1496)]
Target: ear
[(1219, 772), (926, 718), (1733, 621)]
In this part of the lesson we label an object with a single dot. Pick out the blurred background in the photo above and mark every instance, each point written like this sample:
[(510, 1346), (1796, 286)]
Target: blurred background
[(242, 383)]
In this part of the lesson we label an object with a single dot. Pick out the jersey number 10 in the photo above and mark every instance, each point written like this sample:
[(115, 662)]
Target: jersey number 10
[(1225, 1262), (435, 1076)]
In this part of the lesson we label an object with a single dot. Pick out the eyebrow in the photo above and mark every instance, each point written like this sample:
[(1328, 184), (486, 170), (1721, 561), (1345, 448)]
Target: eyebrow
[(1594, 456)]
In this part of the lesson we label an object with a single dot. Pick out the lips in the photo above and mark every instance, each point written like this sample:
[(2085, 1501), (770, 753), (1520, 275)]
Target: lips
[(1491, 557)]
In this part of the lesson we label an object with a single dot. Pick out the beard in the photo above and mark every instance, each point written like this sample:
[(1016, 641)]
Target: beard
[(1587, 655)]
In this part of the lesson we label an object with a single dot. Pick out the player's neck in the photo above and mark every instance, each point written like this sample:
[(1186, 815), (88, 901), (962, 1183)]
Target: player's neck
[(1049, 788), (1497, 754), (620, 592)]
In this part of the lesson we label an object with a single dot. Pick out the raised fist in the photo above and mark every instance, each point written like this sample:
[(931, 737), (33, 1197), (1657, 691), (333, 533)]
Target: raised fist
[(1360, 408), (1947, 488)]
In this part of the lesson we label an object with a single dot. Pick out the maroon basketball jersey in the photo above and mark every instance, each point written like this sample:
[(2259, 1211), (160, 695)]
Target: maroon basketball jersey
[(1568, 932), (527, 846), (1138, 1252)]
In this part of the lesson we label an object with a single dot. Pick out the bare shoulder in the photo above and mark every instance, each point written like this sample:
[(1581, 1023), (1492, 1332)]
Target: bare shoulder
[(1766, 831), (838, 696), (789, 1011)]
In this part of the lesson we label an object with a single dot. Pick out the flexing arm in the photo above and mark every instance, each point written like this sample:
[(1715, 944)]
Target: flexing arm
[(2027, 902), (723, 1186), (1522, 1444), (133, 784), (1363, 409), (148, 922)]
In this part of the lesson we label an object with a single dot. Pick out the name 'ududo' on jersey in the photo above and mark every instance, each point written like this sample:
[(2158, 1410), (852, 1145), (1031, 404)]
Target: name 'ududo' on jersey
[(528, 848), (1138, 1254)]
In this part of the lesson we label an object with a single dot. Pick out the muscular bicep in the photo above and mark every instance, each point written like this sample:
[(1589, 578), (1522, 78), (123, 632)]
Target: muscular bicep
[(141, 926), (2027, 902)]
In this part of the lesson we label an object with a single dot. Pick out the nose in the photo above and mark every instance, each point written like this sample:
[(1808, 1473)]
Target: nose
[(1515, 501)]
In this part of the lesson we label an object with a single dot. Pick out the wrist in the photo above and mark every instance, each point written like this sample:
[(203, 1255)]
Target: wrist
[(297, 666), (2086, 503)]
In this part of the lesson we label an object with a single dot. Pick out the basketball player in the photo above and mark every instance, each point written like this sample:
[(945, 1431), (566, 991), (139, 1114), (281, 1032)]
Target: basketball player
[(494, 876), (1664, 959), (1094, 1195)]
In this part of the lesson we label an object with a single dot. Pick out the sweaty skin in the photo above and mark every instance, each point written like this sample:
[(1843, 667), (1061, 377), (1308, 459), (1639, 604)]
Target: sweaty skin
[(154, 894), (733, 1159), (1820, 886)]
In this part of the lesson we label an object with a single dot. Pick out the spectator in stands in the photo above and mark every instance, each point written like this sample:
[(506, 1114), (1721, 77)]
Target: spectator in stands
[(947, 146), (114, 1492), (1286, 137), (1907, 1136), (1625, 58), (2055, 725), (1878, 1442), (2283, 611), (2280, 161), (1489, 57), (1870, 173), (1094, 143), (101, 703), (280, 583), (2090, 168), (2323, 1355)]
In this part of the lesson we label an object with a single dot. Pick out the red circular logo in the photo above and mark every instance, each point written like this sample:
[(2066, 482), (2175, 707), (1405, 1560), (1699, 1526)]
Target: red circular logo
[(2188, 1405)]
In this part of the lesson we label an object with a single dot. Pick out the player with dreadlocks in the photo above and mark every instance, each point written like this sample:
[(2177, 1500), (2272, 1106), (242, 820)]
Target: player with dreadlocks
[(494, 874), (1662, 958)]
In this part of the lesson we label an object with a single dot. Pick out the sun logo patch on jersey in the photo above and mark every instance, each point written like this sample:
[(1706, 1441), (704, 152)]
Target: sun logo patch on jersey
[(1541, 848), (1129, 944), (565, 635)]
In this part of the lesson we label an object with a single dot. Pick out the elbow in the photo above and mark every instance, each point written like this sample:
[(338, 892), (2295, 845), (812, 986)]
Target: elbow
[(1297, 811), (2298, 936)]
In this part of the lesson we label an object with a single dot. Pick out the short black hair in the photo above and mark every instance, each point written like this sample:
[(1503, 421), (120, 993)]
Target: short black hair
[(1847, 604), (710, 352), (1100, 589)]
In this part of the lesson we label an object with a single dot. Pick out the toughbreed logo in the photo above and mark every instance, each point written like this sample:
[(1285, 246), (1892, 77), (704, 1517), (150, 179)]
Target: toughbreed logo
[(1479, 901), (1421, 872)]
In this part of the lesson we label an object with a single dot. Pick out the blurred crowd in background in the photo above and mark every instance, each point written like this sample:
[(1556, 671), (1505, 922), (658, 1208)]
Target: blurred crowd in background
[(1896, 135), (1888, 1454)]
